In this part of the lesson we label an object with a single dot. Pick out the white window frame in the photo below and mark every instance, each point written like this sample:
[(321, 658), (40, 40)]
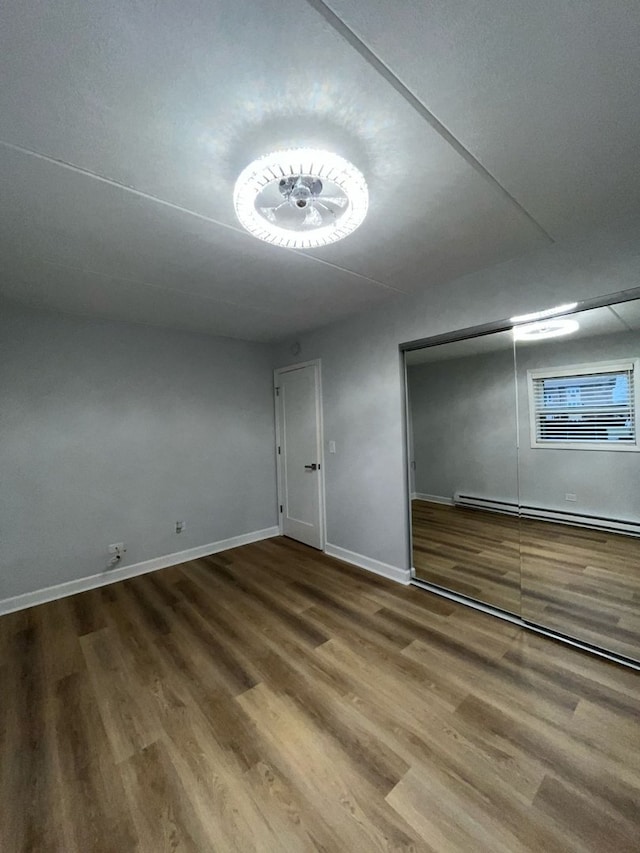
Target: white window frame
[(619, 365)]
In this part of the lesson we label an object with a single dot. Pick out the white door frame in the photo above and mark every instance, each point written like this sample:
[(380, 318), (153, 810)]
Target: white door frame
[(317, 363)]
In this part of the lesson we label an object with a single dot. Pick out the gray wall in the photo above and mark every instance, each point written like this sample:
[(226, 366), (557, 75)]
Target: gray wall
[(112, 432), (367, 501), (464, 425)]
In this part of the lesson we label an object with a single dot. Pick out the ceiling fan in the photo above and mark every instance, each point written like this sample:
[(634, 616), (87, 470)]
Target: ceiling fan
[(301, 198), (303, 204)]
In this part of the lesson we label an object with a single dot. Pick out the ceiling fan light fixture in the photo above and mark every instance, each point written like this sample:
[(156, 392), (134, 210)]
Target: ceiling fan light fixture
[(301, 198), (545, 329)]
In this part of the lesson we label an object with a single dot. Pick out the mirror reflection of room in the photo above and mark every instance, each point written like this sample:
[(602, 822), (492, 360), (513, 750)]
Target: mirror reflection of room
[(579, 476), (525, 472), (464, 476)]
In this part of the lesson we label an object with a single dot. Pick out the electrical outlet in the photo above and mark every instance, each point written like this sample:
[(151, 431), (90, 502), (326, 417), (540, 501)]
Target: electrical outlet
[(180, 526), (332, 447), (570, 497), (117, 550)]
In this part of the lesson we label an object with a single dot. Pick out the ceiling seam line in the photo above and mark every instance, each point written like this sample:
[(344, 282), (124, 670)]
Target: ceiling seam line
[(149, 197), (372, 59), (621, 319)]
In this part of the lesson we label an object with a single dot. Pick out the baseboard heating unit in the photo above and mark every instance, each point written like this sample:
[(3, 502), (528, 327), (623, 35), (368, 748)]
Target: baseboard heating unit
[(575, 519)]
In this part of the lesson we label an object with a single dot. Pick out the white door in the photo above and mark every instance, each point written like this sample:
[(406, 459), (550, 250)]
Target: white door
[(299, 440)]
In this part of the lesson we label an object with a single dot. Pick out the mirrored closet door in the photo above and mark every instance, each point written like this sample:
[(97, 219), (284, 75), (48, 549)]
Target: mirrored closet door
[(524, 452), (464, 468), (579, 475)]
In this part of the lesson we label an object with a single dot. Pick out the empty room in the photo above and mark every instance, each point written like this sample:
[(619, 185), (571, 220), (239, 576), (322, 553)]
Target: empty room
[(320, 426)]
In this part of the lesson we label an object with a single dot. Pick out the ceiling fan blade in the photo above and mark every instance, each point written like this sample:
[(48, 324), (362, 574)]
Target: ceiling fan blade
[(339, 201), (312, 216), (270, 212), (324, 207)]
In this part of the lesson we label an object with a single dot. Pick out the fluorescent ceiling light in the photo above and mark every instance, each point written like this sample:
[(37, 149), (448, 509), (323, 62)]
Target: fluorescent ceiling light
[(545, 329), (548, 312), (301, 198)]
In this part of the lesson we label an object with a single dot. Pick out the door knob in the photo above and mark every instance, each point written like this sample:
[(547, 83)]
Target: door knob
[(312, 467)]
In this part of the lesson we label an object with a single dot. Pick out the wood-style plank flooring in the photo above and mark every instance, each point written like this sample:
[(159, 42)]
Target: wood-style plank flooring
[(274, 699), (580, 582)]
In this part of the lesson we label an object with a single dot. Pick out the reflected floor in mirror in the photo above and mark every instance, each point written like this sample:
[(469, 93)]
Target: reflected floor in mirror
[(583, 583), (468, 551), (577, 581)]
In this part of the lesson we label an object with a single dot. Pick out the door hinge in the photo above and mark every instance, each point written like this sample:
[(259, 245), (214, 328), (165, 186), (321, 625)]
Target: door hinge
[(280, 507), (278, 450), (277, 391)]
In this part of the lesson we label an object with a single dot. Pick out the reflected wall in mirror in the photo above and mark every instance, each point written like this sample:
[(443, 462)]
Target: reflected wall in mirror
[(579, 478), (463, 468)]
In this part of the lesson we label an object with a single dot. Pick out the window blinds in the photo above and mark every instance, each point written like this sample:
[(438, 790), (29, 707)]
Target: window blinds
[(586, 408)]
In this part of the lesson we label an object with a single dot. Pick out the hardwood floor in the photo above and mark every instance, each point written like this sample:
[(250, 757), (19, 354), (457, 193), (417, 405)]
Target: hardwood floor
[(579, 582), (274, 699)]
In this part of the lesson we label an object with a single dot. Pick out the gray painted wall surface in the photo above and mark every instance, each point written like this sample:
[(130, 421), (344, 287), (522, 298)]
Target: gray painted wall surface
[(112, 432), (464, 423), (464, 426), (367, 499)]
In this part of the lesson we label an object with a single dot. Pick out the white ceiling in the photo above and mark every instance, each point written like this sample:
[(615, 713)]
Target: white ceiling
[(544, 93), (123, 127)]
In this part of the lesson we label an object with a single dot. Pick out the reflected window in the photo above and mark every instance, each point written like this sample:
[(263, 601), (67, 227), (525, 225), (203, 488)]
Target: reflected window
[(588, 406)]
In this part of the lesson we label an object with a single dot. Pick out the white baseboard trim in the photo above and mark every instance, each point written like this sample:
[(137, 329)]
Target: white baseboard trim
[(392, 572), (434, 499), (61, 590)]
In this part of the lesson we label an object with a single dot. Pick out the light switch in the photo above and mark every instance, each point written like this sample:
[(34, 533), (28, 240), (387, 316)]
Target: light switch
[(332, 447)]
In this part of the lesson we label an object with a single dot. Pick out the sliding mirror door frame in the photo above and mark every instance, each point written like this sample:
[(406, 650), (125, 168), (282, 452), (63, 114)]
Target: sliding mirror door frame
[(461, 335)]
